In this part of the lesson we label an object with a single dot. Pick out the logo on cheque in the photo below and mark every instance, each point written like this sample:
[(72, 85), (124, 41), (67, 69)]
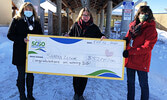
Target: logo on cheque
[(38, 45)]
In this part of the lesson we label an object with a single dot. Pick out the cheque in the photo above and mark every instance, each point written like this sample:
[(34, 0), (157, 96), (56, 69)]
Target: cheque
[(69, 56)]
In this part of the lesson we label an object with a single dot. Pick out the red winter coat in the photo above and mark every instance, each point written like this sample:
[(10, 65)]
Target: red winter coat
[(140, 53)]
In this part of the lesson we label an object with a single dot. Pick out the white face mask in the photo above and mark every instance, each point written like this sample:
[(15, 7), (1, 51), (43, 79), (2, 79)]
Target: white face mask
[(28, 13)]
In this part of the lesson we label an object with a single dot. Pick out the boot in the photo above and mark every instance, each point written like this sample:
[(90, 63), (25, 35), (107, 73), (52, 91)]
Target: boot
[(29, 84), (23, 97), (21, 88), (76, 97), (21, 82), (30, 97), (81, 98)]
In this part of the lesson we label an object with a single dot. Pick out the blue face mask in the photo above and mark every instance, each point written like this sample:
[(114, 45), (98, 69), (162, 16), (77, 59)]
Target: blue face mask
[(28, 13)]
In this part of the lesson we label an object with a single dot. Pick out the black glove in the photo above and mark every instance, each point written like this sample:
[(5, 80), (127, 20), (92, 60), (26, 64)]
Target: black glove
[(126, 39), (125, 54)]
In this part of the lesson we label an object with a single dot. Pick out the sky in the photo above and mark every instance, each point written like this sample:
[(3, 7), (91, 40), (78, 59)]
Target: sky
[(157, 6)]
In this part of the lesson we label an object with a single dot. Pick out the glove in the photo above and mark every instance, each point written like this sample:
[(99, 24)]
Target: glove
[(126, 39), (125, 54)]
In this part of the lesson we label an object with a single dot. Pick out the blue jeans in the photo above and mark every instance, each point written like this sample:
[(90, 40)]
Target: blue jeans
[(143, 81)]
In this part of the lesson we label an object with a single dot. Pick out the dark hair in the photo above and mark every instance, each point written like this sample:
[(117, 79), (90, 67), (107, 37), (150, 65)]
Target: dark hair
[(144, 9)]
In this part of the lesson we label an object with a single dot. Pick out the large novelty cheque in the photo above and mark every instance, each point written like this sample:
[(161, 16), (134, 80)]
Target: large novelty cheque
[(69, 56)]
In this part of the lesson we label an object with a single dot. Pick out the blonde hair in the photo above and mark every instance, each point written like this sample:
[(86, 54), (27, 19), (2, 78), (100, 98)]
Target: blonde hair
[(81, 12), (20, 13)]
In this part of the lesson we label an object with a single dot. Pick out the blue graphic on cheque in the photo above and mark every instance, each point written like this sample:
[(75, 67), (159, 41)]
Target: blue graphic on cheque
[(104, 73), (110, 75), (41, 49), (65, 41)]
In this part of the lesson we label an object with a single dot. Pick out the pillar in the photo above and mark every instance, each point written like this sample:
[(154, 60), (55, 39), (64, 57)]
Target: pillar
[(50, 22), (101, 20), (98, 19), (108, 19), (59, 7), (125, 22), (67, 11), (42, 18)]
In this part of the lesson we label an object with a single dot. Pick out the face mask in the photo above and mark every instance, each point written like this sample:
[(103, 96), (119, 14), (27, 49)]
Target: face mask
[(28, 13), (143, 17)]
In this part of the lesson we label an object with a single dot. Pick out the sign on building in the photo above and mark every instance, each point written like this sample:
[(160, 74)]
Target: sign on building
[(127, 6)]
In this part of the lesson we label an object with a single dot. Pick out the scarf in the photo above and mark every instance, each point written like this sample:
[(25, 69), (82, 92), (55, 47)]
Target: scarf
[(84, 25), (135, 29)]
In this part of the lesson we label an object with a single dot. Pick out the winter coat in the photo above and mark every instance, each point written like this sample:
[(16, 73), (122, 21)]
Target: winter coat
[(18, 30), (140, 53), (91, 32)]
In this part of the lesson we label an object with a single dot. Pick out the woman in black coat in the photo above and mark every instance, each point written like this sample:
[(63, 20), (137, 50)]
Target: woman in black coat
[(83, 27), (25, 22)]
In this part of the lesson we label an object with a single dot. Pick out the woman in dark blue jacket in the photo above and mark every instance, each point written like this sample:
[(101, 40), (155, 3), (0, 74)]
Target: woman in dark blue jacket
[(83, 27), (25, 22)]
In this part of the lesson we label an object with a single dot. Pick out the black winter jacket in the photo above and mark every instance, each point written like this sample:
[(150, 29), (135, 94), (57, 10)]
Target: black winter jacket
[(91, 32), (18, 30)]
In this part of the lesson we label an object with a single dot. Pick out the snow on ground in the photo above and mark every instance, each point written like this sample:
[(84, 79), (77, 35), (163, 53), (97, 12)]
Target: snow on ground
[(53, 87)]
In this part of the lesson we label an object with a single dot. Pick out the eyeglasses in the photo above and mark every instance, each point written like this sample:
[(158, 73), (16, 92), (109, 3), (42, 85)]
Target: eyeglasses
[(85, 15)]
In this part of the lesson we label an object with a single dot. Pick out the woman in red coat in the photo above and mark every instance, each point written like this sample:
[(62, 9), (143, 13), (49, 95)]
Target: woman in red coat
[(140, 38)]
